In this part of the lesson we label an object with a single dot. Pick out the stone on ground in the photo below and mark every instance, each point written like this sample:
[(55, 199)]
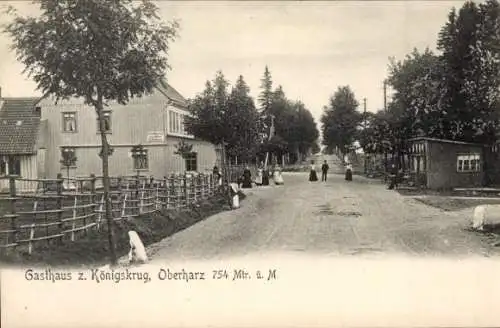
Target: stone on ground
[(137, 251), (485, 215)]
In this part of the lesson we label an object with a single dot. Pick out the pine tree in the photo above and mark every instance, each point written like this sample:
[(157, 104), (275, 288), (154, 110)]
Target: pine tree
[(208, 111), (265, 97), (242, 119)]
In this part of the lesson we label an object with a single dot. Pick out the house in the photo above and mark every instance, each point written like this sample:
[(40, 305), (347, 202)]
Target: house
[(154, 121), (446, 164), (20, 141)]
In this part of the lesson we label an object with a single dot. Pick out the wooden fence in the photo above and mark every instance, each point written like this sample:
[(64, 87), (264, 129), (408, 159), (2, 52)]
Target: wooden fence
[(55, 210)]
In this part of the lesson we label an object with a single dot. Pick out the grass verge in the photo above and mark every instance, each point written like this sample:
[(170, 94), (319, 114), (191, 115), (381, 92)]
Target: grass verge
[(93, 249), (452, 204)]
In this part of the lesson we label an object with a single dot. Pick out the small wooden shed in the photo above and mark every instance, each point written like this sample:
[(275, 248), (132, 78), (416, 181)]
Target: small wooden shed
[(446, 164)]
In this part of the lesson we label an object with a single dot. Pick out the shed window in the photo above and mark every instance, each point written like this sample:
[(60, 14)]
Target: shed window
[(469, 163)]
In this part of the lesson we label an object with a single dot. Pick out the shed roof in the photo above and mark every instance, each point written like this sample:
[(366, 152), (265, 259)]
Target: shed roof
[(456, 142), (19, 124)]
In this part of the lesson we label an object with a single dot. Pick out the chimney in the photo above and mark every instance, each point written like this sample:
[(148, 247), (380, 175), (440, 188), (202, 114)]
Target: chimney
[(0, 92)]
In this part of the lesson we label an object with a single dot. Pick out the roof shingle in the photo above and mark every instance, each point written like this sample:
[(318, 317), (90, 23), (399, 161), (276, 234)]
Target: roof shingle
[(19, 125)]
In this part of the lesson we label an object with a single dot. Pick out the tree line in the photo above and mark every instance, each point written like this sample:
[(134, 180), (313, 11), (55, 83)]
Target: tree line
[(225, 114), (452, 94)]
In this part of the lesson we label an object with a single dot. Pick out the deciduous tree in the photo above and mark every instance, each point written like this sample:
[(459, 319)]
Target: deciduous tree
[(98, 50), (340, 120)]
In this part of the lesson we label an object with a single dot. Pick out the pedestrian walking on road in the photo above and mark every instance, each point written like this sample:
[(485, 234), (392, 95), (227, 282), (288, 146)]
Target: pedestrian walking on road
[(324, 171), (348, 172), (312, 175), (393, 177)]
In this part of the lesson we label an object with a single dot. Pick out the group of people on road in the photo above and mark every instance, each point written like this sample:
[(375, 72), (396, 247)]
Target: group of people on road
[(262, 179), (263, 175), (324, 172)]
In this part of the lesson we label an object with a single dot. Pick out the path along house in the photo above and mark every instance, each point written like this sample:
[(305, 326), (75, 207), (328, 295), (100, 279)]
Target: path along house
[(155, 121)]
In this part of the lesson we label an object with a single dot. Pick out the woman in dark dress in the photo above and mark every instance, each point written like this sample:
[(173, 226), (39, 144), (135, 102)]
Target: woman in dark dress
[(312, 175), (216, 174), (348, 172), (247, 178), (265, 177)]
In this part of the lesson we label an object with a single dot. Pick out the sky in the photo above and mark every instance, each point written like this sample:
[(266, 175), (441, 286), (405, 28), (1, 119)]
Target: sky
[(311, 48)]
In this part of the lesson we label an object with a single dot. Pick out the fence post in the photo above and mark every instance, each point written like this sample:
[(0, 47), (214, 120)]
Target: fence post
[(60, 205), (93, 198), (165, 193), (121, 196), (184, 182), (193, 189), (13, 214), (136, 200), (210, 184)]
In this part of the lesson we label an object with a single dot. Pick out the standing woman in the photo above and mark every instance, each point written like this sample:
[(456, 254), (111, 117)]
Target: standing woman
[(312, 175), (277, 177), (247, 178), (348, 172), (258, 179)]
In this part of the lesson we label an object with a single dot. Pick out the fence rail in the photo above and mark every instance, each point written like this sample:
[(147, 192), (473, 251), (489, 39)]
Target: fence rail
[(55, 210)]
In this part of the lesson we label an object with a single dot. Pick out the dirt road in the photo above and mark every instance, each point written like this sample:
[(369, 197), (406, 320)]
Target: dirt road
[(332, 218)]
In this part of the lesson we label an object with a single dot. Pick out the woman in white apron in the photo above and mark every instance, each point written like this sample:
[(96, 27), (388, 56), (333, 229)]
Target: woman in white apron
[(258, 178), (277, 177), (312, 174)]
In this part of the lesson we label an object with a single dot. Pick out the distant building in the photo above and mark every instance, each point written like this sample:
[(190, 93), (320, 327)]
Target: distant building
[(446, 164), (47, 130), (20, 139)]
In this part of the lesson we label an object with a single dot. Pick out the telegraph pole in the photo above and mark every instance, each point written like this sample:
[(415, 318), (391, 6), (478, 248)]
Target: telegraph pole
[(364, 112), (364, 132), (385, 95)]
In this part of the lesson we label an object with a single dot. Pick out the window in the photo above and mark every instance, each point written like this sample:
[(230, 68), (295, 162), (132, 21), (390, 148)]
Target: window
[(141, 160), (68, 157), (176, 123), (69, 122), (191, 162), (171, 121), (14, 166), (10, 165), (469, 163), (181, 123), (3, 166), (107, 122)]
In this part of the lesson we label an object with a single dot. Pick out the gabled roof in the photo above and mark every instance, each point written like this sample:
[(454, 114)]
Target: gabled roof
[(445, 141), (19, 125), (172, 94)]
